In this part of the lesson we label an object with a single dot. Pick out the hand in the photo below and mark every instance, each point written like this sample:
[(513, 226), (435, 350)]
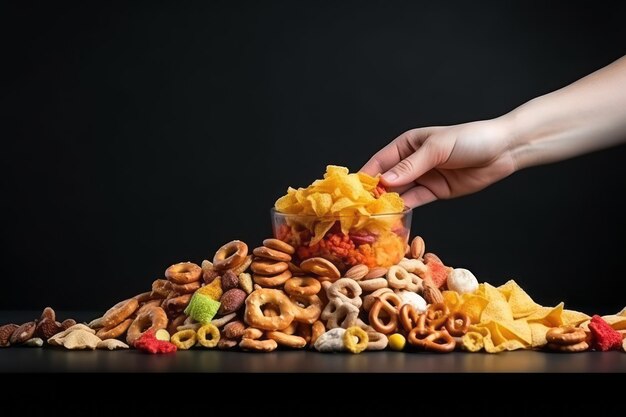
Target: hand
[(433, 163)]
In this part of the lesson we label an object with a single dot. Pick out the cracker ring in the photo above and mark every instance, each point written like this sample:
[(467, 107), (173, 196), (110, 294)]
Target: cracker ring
[(279, 245), (230, 255), (265, 267), (213, 331), (302, 286), (373, 284), (184, 339), (573, 348), (566, 335), (119, 312), (258, 345), (311, 310), (271, 254), (273, 281), (151, 319), (288, 340), (114, 332), (317, 330), (457, 330), (346, 290), (353, 346), (257, 299), (322, 267), (183, 273), (186, 288)]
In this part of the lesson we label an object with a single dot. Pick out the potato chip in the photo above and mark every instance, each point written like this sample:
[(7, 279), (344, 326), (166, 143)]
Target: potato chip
[(538, 333)]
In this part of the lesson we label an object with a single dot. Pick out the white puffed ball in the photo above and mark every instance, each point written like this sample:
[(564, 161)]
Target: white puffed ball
[(462, 281), (416, 300)]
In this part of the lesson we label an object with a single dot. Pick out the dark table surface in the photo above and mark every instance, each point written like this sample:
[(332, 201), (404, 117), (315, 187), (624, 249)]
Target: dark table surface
[(48, 359)]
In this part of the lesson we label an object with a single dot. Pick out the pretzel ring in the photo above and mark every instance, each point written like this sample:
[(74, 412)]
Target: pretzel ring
[(186, 288), (317, 330), (399, 278), (114, 332), (212, 331), (230, 255), (160, 288), (408, 317), (302, 286), (288, 340), (573, 348), (265, 267), (346, 315), (257, 299), (566, 335), (184, 339), (273, 281), (454, 328), (355, 332), (370, 299), (322, 267), (149, 304), (119, 312), (258, 345), (305, 331), (310, 310), (271, 254), (183, 273), (151, 319), (144, 296), (347, 290), (279, 245), (373, 284)]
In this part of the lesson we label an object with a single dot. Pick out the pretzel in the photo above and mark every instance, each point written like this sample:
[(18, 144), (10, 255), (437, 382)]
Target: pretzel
[(176, 305), (345, 315), (213, 331), (566, 335), (310, 310), (454, 328), (144, 296), (389, 303), (230, 255), (317, 330), (370, 299), (573, 348), (114, 332), (271, 254), (302, 286), (436, 315), (347, 290), (322, 267), (152, 319), (250, 341), (279, 245), (434, 340), (265, 267), (119, 312), (173, 324), (242, 267), (400, 278), (305, 331), (355, 332), (409, 317), (186, 288), (257, 299), (149, 304), (273, 281), (288, 340), (183, 273)]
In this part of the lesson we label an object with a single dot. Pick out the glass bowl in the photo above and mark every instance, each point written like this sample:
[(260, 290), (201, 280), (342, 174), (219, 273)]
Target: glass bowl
[(377, 240)]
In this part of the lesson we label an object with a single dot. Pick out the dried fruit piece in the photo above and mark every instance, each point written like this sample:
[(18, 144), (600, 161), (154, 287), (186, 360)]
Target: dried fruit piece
[(23, 333), (437, 271), (149, 343), (604, 337), (48, 327), (5, 334)]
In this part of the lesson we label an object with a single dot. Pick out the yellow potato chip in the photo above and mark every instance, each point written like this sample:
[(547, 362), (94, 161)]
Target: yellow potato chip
[(521, 303), (574, 318), (320, 230), (497, 309), (369, 182), (538, 332), (321, 203), (551, 317)]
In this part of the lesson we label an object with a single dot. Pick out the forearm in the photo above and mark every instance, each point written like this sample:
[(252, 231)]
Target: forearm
[(585, 116)]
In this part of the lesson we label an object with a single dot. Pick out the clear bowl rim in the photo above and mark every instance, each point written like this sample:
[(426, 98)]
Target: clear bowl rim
[(274, 212)]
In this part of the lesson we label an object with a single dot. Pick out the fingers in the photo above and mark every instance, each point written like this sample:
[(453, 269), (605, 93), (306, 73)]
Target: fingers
[(412, 167), (418, 196), (401, 147)]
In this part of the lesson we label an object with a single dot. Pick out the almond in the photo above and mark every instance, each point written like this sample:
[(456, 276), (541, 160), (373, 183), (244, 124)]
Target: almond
[(418, 247), (357, 272), (376, 272), (5, 334), (431, 294)]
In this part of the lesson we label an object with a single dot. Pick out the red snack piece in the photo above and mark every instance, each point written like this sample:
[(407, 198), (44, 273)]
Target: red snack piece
[(604, 337), (438, 271), (149, 343)]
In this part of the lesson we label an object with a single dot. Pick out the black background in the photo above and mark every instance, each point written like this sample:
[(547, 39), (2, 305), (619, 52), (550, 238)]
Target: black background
[(139, 136)]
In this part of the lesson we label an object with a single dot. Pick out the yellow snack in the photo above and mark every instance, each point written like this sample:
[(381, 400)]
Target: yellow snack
[(521, 303), (184, 339), (397, 342), (472, 341), (212, 290), (213, 332), (498, 309), (358, 345)]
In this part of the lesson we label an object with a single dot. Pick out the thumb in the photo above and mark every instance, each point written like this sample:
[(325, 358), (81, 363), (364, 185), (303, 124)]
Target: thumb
[(412, 167)]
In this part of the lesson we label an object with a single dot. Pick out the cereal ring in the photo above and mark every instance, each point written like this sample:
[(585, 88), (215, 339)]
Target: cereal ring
[(566, 335), (288, 340), (306, 308), (279, 245), (184, 339), (213, 332), (302, 286), (347, 290), (119, 312), (355, 332), (183, 273), (373, 284), (254, 316), (455, 329), (370, 299), (258, 345), (265, 267), (273, 281), (317, 330), (152, 319), (573, 348), (230, 255), (322, 267), (114, 332), (346, 315), (271, 254), (186, 288)]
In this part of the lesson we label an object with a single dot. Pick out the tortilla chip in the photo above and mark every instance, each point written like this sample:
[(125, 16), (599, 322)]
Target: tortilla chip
[(521, 303), (538, 332), (497, 309)]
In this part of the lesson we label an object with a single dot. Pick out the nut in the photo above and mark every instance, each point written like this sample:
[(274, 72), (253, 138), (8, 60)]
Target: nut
[(67, 323), (418, 247), (234, 330), (5, 334), (23, 333), (432, 295), (232, 300), (48, 327), (48, 313), (357, 272), (226, 343), (208, 272), (376, 272), (245, 282), (229, 280), (34, 342)]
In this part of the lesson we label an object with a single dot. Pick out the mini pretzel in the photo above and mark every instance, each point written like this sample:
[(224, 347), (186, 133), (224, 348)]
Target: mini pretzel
[(119, 312), (408, 317), (257, 299), (176, 305), (437, 341), (279, 245), (566, 335), (183, 273), (322, 267), (186, 288), (317, 330), (230, 255), (347, 290), (271, 254), (288, 340), (114, 332), (370, 299), (184, 339), (436, 315), (389, 303), (302, 286), (373, 284), (310, 310), (273, 281), (402, 279), (454, 328), (265, 267), (152, 319), (172, 327), (355, 332), (346, 315), (212, 331)]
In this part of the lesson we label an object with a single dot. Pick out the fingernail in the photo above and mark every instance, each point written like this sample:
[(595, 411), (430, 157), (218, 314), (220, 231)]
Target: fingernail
[(389, 176)]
